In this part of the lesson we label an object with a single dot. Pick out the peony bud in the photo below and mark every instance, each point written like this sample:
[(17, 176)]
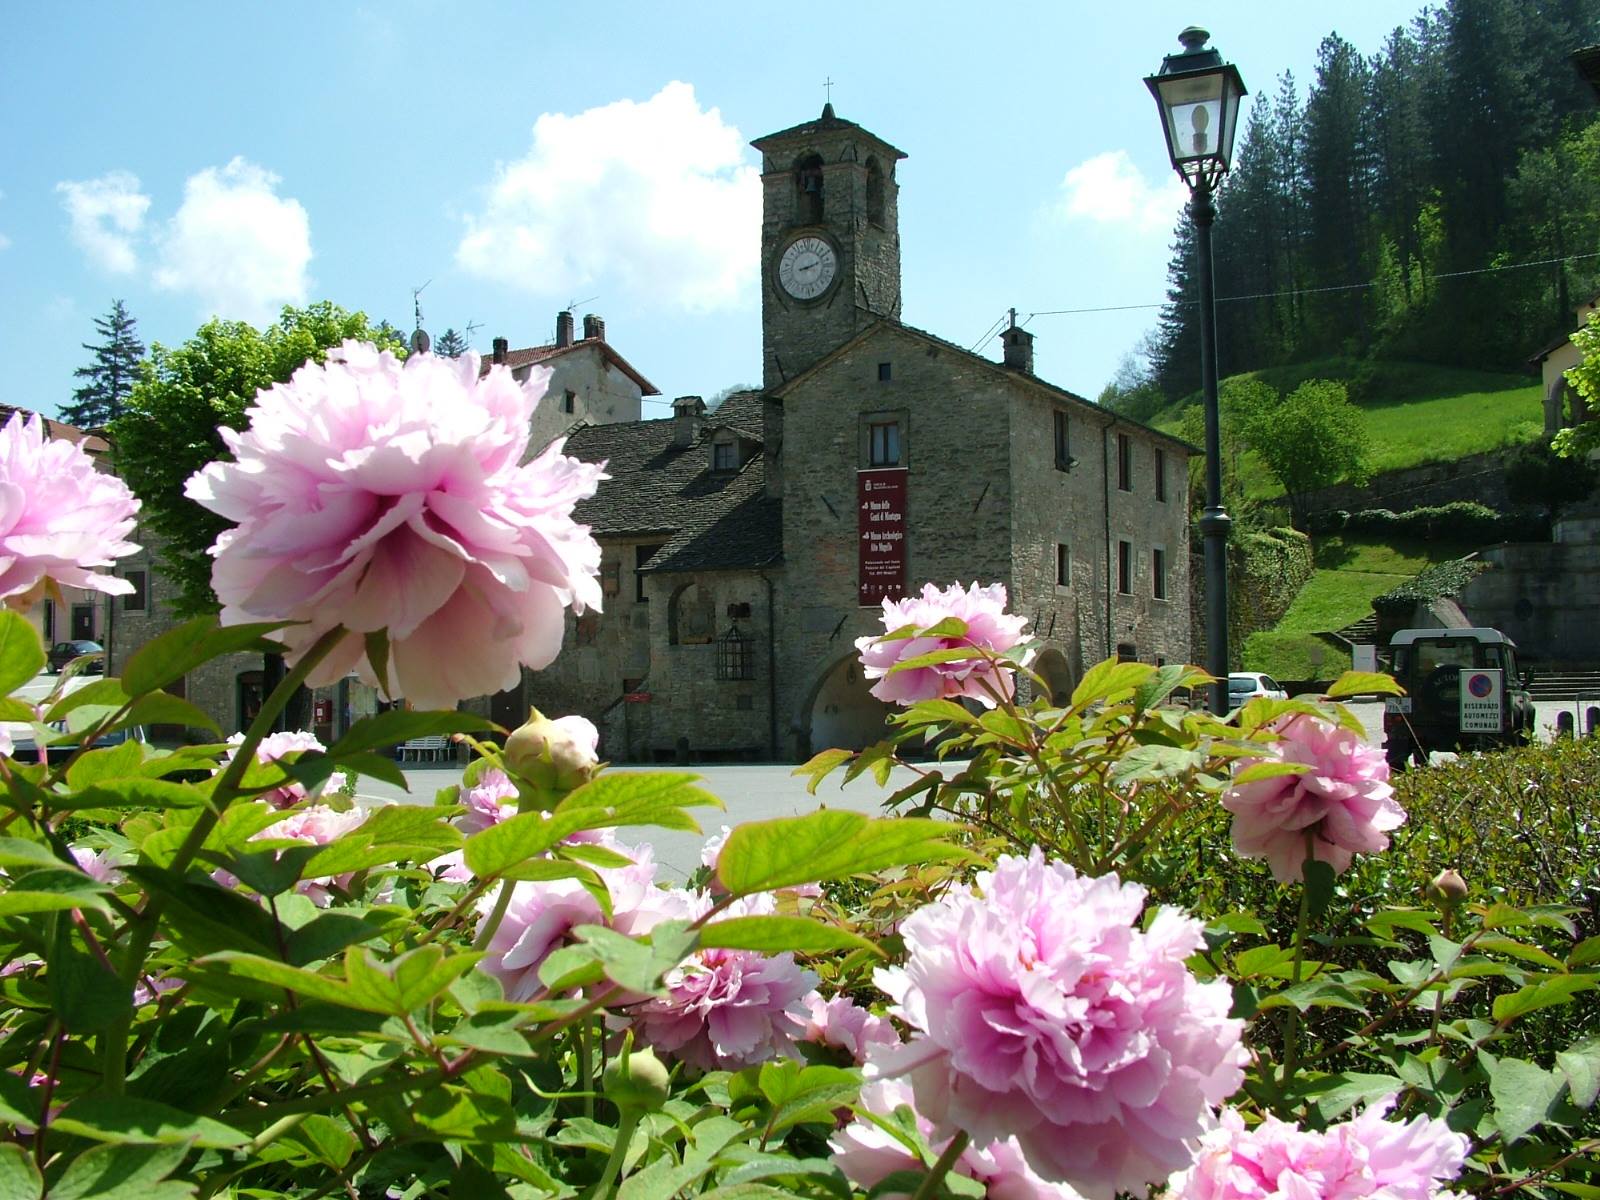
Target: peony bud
[(554, 755), (636, 1082), (1446, 889)]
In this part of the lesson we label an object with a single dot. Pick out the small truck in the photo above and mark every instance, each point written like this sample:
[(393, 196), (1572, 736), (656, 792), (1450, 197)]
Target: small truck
[(1463, 692)]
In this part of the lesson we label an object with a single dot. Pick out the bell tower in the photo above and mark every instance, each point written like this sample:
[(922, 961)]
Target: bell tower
[(830, 240)]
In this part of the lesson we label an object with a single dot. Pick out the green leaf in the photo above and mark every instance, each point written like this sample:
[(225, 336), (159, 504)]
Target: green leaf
[(1261, 960), (819, 766), (1337, 1094), (308, 984), (134, 791), (377, 645), (1544, 993), (490, 852), (1523, 1093), (799, 1094), (1500, 944), (131, 1121), (19, 852), (123, 1172), (84, 992), (661, 1180), (1269, 770), (330, 932), (21, 652), (393, 833), (1585, 953), (1164, 682), (639, 965), (1580, 1063), (406, 984), (828, 844), (1109, 681), (158, 708), (1155, 762), (645, 798), (1386, 921), (105, 693), (19, 1178), (935, 658), (775, 934), (1319, 879), (1362, 683), (326, 1140), (53, 889), (178, 651), (401, 725), (1313, 993)]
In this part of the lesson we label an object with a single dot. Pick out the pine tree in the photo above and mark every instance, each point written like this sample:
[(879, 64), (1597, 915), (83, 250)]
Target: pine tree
[(450, 345), (112, 374)]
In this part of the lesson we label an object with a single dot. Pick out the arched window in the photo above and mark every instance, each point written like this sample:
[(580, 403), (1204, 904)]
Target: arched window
[(691, 617), (875, 193), (808, 190)]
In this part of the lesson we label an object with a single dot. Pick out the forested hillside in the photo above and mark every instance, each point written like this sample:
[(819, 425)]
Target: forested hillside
[(1390, 209)]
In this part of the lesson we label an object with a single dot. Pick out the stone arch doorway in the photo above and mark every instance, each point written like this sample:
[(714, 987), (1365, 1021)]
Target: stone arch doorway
[(840, 712), (1052, 667)]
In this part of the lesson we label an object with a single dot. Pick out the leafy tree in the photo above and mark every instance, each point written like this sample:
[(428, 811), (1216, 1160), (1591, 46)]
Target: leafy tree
[(1538, 475), (450, 344), (1312, 438), (169, 428), (1583, 439), (111, 376)]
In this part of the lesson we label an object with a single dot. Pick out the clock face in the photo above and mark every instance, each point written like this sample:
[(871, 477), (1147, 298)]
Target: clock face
[(807, 267)]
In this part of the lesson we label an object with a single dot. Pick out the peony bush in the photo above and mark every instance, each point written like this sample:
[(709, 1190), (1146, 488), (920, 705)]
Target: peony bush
[(224, 974)]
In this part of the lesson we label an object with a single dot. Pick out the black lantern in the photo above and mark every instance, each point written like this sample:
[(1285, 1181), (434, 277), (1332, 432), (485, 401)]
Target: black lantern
[(734, 660), (1198, 95)]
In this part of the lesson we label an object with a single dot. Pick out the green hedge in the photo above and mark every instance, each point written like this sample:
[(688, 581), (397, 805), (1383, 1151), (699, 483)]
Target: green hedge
[(1441, 579), (1460, 520)]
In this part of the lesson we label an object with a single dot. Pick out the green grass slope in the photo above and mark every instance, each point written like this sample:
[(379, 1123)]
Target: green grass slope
[(1350, 572)]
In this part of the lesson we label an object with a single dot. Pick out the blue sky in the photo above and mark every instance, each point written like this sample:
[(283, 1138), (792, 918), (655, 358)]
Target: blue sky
[(192, 158)]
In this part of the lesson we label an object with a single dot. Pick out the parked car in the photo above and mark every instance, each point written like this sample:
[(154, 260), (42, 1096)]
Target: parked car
[(1252, 685), (26, 750), (64, 652), (1464, 691)]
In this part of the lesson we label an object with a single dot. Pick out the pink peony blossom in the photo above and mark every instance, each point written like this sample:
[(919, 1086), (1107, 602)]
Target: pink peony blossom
[(488, 802), (843, 1023), (727, 1009), (318, 825), (1043, 1010), (280, 745), (1366, 1158), (988, 628), (542, 913), (59, 517), (97, 865), (867, 1154), (375, 496), (1344, 804)]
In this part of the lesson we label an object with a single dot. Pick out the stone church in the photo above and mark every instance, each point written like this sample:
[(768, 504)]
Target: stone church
[(746, 548)]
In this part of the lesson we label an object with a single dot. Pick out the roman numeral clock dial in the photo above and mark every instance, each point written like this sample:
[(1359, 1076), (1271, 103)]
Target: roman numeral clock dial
[(807, 267)]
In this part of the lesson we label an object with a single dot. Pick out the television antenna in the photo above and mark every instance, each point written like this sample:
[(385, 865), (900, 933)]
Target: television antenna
[(416, 304)]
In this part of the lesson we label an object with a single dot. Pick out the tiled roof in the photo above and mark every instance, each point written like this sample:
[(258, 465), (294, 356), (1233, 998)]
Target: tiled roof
[(538, 354), (707, 520), (92, 443), (826, 123)]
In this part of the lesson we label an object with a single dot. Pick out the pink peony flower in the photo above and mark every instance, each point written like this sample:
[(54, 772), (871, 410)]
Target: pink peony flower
[(1045, 1011), (727, 1009), (843, 1023), (988, 628), (280, 745), (489, 801), (97, 865), (379, 496), (1366, 1158), (867, 1154), (1344, 804), (542, 914), (318, 825), (59, 517)]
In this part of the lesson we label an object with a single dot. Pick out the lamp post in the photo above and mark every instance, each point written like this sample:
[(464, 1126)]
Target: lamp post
[(1198, 95)]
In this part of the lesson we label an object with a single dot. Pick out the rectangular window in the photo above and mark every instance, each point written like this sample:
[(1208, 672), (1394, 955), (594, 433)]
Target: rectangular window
[(1125, 568), (1161, 475), (1063, 442), (1063, 565), (135, 601), (884, 447), (641, 555), (723, 457), (1158, 573), (1124, 463), (885, 370), (569, 402)]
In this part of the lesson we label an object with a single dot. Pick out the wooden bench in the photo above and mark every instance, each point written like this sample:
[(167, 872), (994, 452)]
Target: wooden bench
[(430, 748)]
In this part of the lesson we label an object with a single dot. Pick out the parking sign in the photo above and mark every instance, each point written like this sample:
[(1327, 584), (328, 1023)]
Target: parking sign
[(1482, 710)]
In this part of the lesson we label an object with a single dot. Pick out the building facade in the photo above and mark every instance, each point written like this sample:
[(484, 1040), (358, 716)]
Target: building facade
[(747, 548)]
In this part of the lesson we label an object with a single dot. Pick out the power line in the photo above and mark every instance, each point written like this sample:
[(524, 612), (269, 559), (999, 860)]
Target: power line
[(990, 332), (1338, 287)]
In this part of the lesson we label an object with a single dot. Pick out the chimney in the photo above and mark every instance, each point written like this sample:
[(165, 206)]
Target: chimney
[(563, 328), (594, 329), (501, 347), (686, 414), (1018, 343)]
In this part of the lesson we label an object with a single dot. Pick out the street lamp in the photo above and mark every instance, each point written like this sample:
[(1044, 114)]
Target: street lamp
[(1198, 95)]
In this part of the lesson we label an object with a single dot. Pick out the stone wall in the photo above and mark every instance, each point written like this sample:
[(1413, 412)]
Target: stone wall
[(1543, 595), (1479, 477), (1266, 571), (601, 395)]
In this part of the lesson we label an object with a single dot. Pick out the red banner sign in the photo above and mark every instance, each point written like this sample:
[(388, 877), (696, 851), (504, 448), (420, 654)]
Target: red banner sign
[(881, 523), (636, 697)]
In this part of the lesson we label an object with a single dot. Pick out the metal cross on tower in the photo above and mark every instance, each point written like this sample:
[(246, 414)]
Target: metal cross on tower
[(827, 88)]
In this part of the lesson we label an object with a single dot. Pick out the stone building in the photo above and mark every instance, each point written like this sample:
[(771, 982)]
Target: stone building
[(747, 548)]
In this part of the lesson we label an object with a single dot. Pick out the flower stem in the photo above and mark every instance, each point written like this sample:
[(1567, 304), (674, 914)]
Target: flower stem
[(1291, 1024), (619, 1151), (929, 1187), (142, 929), (496, 915)]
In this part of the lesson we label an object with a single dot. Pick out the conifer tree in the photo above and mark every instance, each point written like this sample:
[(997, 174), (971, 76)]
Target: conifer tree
[(450, 344), (110, 377)]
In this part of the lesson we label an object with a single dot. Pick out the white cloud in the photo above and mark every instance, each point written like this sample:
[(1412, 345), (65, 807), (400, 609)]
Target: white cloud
[(107, 215), (1109, 189), (236, 245), (654, 198)]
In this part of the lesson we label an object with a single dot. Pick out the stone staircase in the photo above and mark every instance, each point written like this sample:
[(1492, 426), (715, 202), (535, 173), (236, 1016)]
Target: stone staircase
[(1362, 632), (1566, 684)]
